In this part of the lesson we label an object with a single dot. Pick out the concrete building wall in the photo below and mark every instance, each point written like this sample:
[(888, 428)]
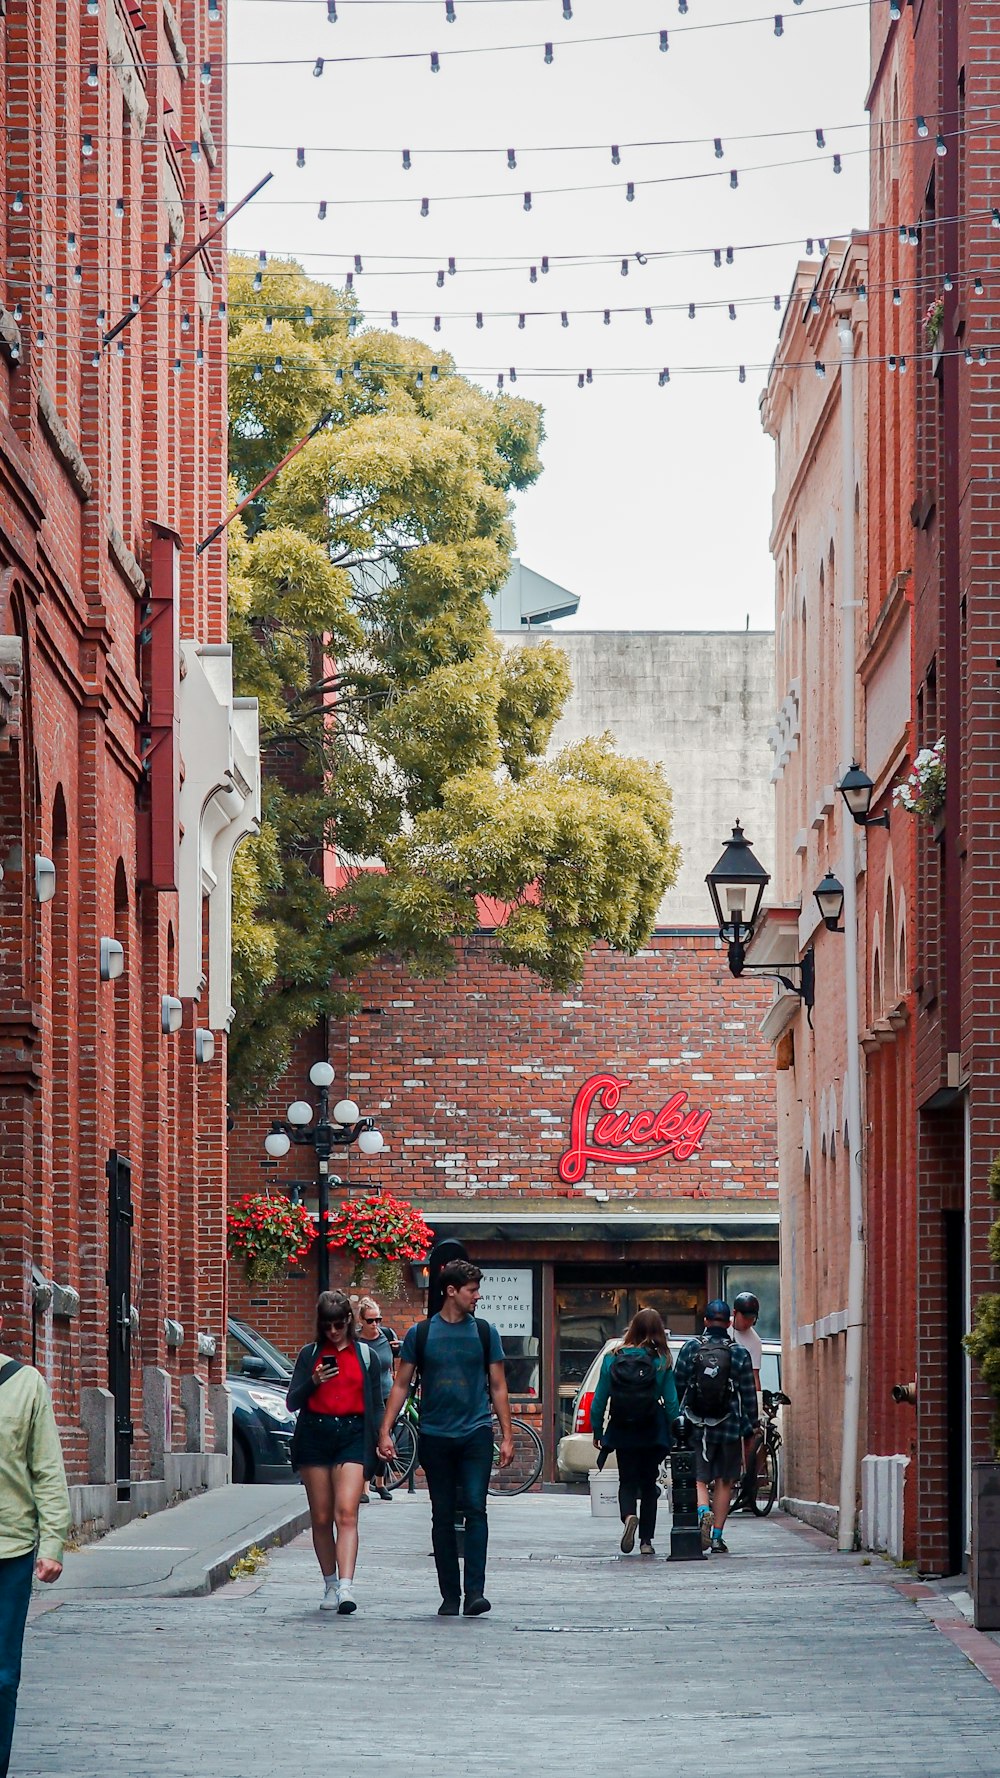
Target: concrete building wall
[(701, 702)]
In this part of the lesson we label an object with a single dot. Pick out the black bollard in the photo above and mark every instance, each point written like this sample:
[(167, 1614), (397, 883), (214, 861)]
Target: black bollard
[(685, 1535)]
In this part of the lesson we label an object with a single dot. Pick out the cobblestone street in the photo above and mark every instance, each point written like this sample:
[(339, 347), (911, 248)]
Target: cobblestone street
[(785, 1658)]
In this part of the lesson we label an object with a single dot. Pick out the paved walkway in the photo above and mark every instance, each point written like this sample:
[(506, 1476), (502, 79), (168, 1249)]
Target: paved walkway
[(591, 1663)]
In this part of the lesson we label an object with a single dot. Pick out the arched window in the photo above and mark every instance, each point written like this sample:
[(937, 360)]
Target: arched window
[(891, 988)]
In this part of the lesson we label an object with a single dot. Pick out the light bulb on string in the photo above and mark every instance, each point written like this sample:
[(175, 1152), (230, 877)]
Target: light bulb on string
[(434, 373), (533, 274), (580, 381), (664, 41), (222, 311), (897, 297), (134, 304), (258, 282), (425, 206), (318, 68), (913, 236), (87, 147), (119, 209), (949, 282), (92, 74), (692, 311), (813, 304), (420, 379), (521, 321), (338, 375), (527, 200), (92, 8), (407, 160), (545, 265), (649, 317), (95, 360), (511, 159), (717, 258), (206, 73), (732, 311), (220, 209), (479, 318), (820, 139), (18, 312), (564, 317), (777, 302), (199, 359), (300, 158), (437, 324), (513, 374), (718, 148), (268, 323), (820, 368), (394, 318), (624, 268), (616, 155), (630, 192), (779, 25), (40, 337), (548, 54), (178, 367), (214, 13), (279, 365), (449, 11), (439, 280), (321, 212), (451, 267), (682, 6), (258, 373), (983, 355), (71, 240), (968, 354), (607, 317), (837, 164), (120, 347), (349, 281), (567, 10), (978, 286), (78, 275), (18, 204), (902, 233), (196, 151), (664, 377), (48, 294), (734, 179), (743, 373), (861, 292), (940, 145), (902, 366), (435, 62), (995, 218), (331, 12)]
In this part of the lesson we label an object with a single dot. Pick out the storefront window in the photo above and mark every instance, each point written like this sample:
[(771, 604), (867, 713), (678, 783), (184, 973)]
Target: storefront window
[(511, 1297)]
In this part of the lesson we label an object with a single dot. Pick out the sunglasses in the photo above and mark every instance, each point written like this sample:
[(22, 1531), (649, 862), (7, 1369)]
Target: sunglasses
[(371, 1320)]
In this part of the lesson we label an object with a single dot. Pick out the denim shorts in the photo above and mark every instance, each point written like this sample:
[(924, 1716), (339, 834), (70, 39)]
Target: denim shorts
[(324, 1440)]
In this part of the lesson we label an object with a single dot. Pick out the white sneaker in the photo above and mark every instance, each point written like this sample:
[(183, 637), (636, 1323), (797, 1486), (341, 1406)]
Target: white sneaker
[(331, 1594), (347, 1601)]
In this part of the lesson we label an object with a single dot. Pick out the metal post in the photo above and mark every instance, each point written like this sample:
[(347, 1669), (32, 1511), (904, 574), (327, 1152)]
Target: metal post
[(321, 1136), (685, 1534)]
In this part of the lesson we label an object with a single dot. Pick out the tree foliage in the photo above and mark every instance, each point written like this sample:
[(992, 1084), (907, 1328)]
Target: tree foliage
[(402, 740)]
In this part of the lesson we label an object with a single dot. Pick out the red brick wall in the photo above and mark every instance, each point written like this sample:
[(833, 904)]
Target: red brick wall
[(83, 1066), (472, 1080)]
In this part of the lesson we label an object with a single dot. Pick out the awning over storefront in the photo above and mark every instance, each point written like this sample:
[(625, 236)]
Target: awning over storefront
[(614, 1226)]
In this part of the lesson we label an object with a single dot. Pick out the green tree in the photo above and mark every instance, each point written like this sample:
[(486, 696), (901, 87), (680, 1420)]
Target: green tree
[(399, 733)]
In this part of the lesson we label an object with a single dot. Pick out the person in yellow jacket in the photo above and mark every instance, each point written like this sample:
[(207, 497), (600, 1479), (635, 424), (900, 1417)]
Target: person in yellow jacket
[(34, 1517)]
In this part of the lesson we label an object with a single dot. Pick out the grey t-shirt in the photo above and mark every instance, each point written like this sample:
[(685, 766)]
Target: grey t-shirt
[(454, 1397)]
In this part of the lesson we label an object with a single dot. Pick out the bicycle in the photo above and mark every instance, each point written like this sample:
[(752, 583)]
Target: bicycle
[(520, 1475), (757, 1489)]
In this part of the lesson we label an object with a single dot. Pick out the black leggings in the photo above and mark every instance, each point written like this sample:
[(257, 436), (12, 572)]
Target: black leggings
[(637, 1472)]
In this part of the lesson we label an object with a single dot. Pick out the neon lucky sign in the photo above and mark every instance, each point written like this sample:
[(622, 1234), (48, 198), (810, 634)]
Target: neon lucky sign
[(674, 1130)]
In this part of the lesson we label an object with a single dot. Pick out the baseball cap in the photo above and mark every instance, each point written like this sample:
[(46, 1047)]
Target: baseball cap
[(717, 1310)]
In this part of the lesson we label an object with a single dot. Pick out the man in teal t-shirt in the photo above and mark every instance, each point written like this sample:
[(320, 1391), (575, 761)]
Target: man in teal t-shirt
[(462, 1384)]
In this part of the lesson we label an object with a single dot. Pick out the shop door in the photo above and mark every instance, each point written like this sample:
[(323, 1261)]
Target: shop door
[(119, 1277)]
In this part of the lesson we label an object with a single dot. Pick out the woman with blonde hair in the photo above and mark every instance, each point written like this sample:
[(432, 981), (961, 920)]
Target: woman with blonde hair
[(370, 1328), (637, 1385)]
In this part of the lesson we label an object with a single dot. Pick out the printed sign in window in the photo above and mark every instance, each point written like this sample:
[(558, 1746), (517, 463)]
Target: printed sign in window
[(507, 1298)]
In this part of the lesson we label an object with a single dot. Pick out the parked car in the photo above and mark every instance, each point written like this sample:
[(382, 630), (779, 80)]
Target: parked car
[(577, 1453), (257, 1377)]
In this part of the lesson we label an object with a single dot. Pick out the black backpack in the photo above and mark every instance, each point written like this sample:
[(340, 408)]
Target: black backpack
[(711, 1389), (635, 1388)]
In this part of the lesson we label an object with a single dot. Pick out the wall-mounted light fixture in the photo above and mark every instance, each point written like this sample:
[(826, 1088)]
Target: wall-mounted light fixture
[(857, 790), (737, 886), (112, 959), (204, 1046), (829, 899), (45, 878), (171, 1015)]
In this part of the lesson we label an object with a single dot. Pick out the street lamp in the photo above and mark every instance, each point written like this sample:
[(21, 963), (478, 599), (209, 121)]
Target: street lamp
[(346, 1127), (857, 790), (829, 899), (737, 886)]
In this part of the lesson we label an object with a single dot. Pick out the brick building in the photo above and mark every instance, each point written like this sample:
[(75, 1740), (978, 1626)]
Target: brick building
[(483, 1083), (956, 525), (128, 771)]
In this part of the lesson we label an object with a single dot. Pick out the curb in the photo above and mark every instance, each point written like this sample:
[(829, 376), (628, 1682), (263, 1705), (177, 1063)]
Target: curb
[(275, 1535)]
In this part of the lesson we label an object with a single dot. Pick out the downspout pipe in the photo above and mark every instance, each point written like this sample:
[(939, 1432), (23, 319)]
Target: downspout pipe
[(847, 1515)]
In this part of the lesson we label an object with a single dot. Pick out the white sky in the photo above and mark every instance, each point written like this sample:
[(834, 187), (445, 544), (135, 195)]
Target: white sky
[(655, 502)]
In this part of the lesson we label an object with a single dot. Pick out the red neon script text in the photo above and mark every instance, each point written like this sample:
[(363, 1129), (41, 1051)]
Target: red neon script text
[(673, 1130)]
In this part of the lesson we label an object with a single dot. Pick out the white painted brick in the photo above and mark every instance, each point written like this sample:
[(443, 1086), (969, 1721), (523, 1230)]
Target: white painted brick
[(414, 1083), (737, 1025), (625, 1169), (744, 1077), (722, 1163), (735, 1098), (691, 1055), (422, 1061), (401, 1003), (703, 1077)]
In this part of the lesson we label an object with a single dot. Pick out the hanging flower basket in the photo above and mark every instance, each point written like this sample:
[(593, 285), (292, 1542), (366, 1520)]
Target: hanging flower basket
[(922, 790), (934, 321), (383, 1231), (267, 1235)]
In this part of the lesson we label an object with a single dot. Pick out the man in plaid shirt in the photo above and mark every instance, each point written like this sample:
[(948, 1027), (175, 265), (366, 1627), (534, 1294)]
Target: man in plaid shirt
[(718, 1442)]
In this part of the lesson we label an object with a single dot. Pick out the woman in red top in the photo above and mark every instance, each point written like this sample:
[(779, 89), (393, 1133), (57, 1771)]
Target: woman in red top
[(335, 1390)]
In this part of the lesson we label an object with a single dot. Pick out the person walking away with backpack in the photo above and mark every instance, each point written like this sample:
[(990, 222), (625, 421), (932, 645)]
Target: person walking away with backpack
[(336, 1393), (34, 1518), (459, 1360), (717, 1395), (637, 1383)]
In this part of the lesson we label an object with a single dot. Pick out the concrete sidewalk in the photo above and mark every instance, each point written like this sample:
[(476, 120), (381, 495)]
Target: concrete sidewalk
[(781, 1658), (186, 1549)]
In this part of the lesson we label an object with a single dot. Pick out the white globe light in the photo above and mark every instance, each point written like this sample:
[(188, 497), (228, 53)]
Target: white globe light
[(371, 1142), (345, 1112), (300, 1112), (277, 1144), (321, 1074)]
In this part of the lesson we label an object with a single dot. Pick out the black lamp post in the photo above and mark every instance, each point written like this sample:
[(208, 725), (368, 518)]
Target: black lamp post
[(857, 790), (737, 886), (346, 1127)]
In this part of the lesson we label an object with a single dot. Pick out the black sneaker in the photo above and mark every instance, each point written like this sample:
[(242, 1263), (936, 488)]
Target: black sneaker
[(476, 1606), (449, 1608), (628, 1535), (719, 1547)]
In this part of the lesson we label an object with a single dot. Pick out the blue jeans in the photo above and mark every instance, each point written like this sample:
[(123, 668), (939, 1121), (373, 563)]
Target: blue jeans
[(15, 1595), (450, 1465)]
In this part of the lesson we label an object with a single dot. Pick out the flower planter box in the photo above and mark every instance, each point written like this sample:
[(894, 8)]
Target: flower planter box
[(985, 1560)]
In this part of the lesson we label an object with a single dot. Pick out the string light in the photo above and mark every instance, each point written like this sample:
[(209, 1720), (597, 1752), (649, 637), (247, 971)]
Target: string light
[(435, 62), (548, 54), (664, 41), (206, 73), (214, 14), (511, 159), (87, 147), (318, 68), (92, 74), (119, 209), (300, 157), (18, 205), (940, 145), (331, 12)]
